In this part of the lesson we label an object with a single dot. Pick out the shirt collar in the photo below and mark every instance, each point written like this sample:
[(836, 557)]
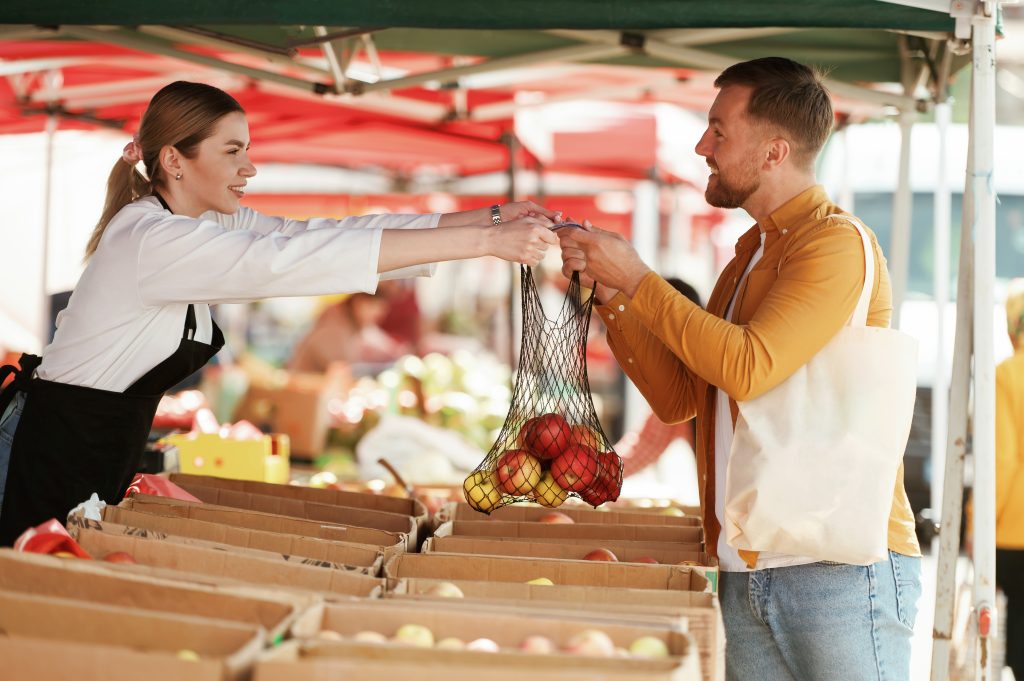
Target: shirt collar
[(796, 210)]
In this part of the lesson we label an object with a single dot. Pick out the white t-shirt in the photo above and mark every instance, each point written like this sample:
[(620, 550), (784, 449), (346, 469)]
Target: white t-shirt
[(729, 558), (127, 311)]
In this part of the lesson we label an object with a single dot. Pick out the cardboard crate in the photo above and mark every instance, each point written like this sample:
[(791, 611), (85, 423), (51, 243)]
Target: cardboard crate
[(106, 632), (266, 459), (508, 631), (373, 502), (686, 534), (389, 542), (666, 553), (578, 512), (201, 562), (315, 661), (101, 582), (324, 552), (309, 510), (561, 572), (700, 609)]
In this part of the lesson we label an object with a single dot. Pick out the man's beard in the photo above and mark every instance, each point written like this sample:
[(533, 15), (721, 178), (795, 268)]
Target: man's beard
[(732, 193)]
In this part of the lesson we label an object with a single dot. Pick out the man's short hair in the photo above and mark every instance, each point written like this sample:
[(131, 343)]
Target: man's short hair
[(787, 96)]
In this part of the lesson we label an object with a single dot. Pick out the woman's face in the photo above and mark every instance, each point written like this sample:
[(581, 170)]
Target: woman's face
[(215, 178)]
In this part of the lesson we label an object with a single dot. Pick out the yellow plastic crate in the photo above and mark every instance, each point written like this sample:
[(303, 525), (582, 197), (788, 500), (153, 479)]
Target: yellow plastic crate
[(264, 460)]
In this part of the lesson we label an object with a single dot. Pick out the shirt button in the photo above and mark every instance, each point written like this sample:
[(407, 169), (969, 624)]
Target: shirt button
[(784, 231), (611, 316), (630, 360), (622, 308)]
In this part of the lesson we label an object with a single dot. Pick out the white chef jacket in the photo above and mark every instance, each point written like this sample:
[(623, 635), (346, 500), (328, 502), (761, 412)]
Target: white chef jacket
[(127, 311)]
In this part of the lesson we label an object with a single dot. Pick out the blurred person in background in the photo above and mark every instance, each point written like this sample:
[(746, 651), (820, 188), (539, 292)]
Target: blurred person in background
[(347, 331), (1010, 479)]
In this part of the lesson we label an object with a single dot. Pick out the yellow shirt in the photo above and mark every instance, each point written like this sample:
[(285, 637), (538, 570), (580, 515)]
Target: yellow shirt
[(1010, 453), (794, 300)]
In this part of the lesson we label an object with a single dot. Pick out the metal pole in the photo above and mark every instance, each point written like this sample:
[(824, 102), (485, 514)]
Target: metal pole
[(940, 283), (901, 214), (983, 227), (514, 323), (51, 130), (956, 441), (645, 228)]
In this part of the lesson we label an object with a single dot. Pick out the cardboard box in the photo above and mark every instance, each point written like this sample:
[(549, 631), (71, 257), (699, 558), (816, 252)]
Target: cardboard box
[(685, 534), (226, 649), (204, 563), (508, 631), (96, 581), (266, 459), (309, 510), (373, 502), (522, 570), (389, 542), (665, 553), (316, 661), (579, 513), (296, 404), (700, 609), (323, 552)]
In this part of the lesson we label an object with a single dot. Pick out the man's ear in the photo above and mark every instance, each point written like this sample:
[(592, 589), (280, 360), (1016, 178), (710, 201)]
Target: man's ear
[(777, 153)]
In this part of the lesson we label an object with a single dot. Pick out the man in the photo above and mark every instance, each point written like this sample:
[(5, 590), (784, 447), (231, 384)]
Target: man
[(792, 286)]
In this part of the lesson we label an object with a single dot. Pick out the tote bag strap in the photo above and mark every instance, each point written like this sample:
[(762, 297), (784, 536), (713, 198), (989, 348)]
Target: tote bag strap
[(860, 313)]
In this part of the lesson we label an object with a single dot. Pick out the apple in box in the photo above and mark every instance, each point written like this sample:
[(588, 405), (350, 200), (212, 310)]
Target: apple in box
[(575, 468), (601, 554), (546, 436), (518, 472)]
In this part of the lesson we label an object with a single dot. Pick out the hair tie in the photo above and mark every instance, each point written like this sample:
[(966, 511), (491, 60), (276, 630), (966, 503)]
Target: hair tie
[(132, 153)]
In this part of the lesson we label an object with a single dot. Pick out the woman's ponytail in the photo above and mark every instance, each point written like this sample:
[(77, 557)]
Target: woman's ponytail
[(124, 185)]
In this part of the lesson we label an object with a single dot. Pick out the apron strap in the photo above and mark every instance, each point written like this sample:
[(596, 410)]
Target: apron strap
[(29, 364)]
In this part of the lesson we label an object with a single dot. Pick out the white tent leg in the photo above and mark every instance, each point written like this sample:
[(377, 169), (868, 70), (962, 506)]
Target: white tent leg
[(983, 227), (646, 231), (899, 251), (940, 282), (956, 444), (44, 287)]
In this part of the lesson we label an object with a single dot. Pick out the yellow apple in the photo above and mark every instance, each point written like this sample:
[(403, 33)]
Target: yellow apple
[(548, 493), (541, 581), (482, 491), (415, 635), (648, 646)]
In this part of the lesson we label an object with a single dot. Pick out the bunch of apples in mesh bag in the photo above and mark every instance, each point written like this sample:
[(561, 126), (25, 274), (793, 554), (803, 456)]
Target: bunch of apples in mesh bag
[(546, 462)]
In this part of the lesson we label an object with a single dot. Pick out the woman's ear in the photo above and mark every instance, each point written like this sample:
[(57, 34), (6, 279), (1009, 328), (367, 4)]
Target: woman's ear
[(170, 161)]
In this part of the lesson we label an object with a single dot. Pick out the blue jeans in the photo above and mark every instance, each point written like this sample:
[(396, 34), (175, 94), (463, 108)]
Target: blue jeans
[(821, 621), (8, 424)]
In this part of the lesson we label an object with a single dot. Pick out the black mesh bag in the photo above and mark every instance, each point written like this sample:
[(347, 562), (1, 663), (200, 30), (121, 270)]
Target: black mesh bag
[(551, 445)]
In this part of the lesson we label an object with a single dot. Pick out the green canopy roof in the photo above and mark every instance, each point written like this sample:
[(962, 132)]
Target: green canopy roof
[(520, 14)]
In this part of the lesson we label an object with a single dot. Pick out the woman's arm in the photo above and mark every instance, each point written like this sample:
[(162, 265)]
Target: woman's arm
[(510, 212), (523, 241)]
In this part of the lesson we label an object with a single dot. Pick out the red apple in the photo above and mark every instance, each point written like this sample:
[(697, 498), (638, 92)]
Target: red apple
[(575, 468), (546, 436), (557, 518), (601, 554), (645, 559), (585, 435), (518, 472), (120, 557)]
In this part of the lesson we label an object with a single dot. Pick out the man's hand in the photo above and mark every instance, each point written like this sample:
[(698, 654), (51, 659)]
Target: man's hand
[(604, 257)]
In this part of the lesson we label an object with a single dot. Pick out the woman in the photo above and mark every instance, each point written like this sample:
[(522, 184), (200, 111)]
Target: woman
[(76, 420)]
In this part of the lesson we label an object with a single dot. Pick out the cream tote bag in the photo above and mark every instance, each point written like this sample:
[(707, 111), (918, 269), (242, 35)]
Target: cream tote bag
[(813, 463)]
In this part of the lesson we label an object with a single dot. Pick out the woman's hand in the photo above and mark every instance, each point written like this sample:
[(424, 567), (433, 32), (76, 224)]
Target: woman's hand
[(511, 212), (523, 241)]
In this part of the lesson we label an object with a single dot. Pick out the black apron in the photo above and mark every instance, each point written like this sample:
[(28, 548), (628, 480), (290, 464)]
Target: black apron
[(72, 441)]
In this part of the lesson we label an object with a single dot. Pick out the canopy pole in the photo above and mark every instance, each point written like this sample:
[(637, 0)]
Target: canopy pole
[(512, 142), (940, 286), (983, 227), (899, 251), (645, 237), (956, 440), (44, 323)]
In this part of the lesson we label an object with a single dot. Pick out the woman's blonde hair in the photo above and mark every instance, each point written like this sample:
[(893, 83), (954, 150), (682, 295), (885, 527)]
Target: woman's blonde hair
[(182, 115)]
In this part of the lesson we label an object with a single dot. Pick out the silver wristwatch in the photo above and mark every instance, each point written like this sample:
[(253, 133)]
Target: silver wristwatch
[(496, 215)]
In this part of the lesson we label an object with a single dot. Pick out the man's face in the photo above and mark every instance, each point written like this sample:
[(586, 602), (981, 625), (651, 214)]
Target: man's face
[(731, 146)]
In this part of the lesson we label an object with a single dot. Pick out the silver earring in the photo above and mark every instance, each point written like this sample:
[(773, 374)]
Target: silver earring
[(178, 176)]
